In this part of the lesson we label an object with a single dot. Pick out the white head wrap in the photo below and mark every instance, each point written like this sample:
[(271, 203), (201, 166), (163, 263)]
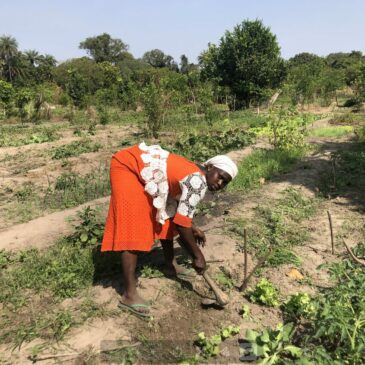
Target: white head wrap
[(224, 163)]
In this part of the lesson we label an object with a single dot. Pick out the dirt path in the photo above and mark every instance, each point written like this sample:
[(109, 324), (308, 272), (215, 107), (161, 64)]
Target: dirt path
[(42, 232)]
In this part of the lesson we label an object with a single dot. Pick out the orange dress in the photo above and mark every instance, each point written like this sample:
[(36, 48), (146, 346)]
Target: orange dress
[(131, 222)]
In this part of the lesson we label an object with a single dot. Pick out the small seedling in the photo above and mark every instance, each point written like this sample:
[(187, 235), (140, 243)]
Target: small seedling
[(210, 345), (150, 272), (245, 311)]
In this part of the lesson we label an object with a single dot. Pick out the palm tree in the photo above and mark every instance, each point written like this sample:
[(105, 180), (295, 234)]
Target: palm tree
[(46, 65), (8, 53), (32, 56)]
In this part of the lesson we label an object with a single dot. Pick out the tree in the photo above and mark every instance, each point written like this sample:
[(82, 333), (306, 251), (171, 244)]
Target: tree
[(6, 96), (32, 56), (105, 48), (360, 85), (86, 68), (348, 63), (247, 61), (76, 88), (157, 58), (185, 66), (46, 66), (304, 58), (8, 55)]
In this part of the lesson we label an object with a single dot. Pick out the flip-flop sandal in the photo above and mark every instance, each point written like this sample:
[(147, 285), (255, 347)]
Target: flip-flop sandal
[(186, 274), (132, 308)]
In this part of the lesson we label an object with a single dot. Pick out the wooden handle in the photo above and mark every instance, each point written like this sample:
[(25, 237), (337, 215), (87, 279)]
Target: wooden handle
[(221, 297)]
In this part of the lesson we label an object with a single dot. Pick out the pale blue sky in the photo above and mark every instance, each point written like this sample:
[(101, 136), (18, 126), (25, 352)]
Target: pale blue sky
[(182, 26)]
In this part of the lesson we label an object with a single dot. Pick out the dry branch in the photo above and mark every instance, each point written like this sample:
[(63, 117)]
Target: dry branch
[(353, 256), (331, 230), (245, 252), (258, 265), (76, 354)]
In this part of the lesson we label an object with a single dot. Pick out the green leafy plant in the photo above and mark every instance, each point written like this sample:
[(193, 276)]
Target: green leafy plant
[(6, 257), (89, 231), (200, 146), (299, 305), (286, 131), (149, 271), (274, 346), (229, 331), (245, 311), (209, 346), (264, 293)]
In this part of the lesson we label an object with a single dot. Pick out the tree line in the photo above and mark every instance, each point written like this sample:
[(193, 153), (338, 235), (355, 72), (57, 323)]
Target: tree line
[(245, 68)]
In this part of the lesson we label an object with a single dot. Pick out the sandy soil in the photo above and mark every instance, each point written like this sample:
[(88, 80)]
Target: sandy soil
[(177, 313)]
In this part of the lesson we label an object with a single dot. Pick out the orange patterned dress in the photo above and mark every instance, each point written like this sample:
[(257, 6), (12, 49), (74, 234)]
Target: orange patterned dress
[(131, 222)]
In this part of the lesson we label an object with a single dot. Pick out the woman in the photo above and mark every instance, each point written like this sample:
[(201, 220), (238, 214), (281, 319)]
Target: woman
[(154, 195)]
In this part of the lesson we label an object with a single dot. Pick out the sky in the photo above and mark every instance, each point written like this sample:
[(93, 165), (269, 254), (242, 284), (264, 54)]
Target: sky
[(179, 27)]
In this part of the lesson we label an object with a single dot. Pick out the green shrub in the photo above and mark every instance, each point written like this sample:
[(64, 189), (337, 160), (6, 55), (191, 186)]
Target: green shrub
[(199, 147)]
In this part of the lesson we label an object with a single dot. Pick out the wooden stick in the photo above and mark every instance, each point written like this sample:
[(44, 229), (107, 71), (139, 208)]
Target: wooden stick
[(222, 298), (212, 261), (75, 354), (258, 265), (245, 253), (331, 230), (356, 259)]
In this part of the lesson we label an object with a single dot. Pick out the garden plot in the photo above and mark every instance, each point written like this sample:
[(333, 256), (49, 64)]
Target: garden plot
[(34, 176), (290, 209)]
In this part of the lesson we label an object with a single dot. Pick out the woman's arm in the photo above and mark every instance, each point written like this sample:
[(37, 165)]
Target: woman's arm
[(199, 236), (189, 243)]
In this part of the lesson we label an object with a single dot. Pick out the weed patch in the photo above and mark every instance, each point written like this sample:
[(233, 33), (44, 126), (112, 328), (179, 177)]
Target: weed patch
[(19, 135), (334, 132), (278, 227), (345, 172), (75, 149), (69, 190), (33, 282), (262, 165)]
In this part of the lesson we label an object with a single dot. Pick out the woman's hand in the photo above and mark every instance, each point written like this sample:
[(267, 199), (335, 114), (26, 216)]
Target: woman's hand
[(199, 236)]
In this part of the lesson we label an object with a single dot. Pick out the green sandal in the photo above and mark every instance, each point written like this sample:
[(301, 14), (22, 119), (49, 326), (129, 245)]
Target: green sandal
[(132, 308), (186, 274)]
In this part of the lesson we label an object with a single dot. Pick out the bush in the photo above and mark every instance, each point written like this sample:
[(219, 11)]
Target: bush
[(199, 147)]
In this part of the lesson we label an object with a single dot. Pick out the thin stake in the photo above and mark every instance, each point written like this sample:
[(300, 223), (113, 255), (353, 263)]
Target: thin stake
[(258, 265), (245, 252), (331, 229)]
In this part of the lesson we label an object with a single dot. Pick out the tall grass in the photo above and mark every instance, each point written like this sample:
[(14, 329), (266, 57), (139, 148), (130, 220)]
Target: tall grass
[(262, 165), (336, 132)]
